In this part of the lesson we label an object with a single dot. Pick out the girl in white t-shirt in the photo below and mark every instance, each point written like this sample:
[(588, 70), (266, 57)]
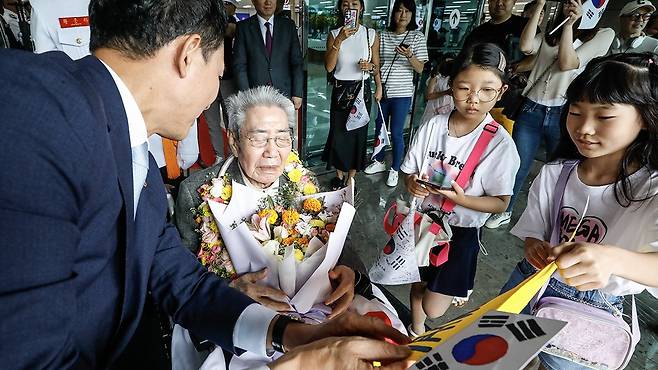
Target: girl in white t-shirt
[(437, 93), (612, 130), (438, 153)]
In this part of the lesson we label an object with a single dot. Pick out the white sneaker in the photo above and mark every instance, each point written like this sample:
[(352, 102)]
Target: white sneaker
[(392, 180), (498, 219), (375, 167)]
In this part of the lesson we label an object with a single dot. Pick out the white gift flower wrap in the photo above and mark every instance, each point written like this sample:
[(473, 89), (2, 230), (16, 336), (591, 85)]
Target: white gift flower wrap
[(307, 282)]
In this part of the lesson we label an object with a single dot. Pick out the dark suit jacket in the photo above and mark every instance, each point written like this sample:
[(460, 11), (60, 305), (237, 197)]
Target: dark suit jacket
[(251, 65), (75, 266)]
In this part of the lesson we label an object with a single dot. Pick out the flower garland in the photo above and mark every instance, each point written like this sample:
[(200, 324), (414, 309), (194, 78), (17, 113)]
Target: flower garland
[(212, 251)]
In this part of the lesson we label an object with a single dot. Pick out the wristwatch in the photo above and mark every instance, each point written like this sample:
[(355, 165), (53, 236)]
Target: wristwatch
[(277, 332)]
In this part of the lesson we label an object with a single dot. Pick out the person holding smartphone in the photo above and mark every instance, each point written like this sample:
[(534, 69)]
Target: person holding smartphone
[(352, 57), (403, 51), (560, 57)]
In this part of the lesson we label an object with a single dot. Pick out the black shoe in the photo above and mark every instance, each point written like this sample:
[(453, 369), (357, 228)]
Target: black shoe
[(337, 183)]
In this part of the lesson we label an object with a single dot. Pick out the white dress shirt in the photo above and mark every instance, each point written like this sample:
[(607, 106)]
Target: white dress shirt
[(187, 151), (250, 332), (263, 29)]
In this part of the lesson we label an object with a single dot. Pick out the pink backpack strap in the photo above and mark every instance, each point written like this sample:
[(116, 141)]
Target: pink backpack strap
[(488, 133)]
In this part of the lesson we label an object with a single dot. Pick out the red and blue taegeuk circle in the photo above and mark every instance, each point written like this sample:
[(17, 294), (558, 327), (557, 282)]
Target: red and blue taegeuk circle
[(598, 3), (480, 349)]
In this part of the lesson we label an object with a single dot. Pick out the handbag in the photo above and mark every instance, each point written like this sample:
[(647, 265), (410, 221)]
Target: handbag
[(429, 233), (346, 93), (431, 245), (513, 98), (512, 111), (592, 337)]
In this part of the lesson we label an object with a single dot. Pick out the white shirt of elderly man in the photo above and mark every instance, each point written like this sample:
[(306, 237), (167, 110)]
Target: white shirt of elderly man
[(61, 25), (633, 17)]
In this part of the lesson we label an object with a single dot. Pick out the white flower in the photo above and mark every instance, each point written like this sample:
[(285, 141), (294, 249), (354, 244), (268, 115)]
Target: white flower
[(271, 247), (328, 217), (280, 232), (259, 228), (216, 190), (303, 228)]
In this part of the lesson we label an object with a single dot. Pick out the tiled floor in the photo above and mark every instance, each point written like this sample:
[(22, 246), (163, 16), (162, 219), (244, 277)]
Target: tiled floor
[(503, 251)]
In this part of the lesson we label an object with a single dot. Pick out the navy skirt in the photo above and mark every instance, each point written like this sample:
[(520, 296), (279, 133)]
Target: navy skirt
[(457, 276)]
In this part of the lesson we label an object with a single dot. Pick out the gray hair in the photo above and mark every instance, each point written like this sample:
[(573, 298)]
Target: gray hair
[(261, 96)]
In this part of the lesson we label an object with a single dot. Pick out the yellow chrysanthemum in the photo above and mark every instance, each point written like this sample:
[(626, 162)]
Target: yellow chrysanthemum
[(309, 189), (299, 255), (312, 205), (317, 223), (293, 158), (288, 241), (227, 192), (270, 214), (290, 217), (295, 175), (205, 210)]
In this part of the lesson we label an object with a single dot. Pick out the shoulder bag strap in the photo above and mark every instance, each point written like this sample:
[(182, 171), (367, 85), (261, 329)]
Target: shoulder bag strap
[(543, 74), (395, 57), (558, 192), (488, 133), (560, 186)]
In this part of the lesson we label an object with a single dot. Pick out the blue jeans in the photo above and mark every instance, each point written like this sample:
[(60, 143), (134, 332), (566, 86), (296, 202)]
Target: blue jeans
[(557, 288), (535, 122), (397, 109)]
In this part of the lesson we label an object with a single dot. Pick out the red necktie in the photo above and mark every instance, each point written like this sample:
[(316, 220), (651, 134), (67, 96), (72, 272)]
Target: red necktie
[(268, 39)]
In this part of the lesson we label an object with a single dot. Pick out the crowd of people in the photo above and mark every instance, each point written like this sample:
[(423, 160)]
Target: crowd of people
[(94, 252)]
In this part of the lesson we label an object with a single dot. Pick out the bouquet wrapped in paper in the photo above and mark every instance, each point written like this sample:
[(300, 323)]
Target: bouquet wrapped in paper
[(298, 238)]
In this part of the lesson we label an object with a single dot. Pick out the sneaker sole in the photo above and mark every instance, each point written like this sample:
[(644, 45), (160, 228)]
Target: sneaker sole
[(374, 173)]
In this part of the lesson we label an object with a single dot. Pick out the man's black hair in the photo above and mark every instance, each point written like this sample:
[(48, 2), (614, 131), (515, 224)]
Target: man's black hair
[(139, 28)]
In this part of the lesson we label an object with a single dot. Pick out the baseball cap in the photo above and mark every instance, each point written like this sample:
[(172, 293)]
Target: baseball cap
[(232, 2), (634, 5)]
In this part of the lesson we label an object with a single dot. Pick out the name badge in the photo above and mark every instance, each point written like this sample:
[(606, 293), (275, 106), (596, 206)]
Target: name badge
[(71, 22)]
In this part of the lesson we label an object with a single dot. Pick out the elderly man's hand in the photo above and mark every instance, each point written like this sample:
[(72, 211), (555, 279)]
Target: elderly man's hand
[(347, 353), (270, 297), (342, 279)]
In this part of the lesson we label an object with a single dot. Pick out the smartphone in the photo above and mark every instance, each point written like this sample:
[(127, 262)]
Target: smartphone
[(405, 46), (433, 185), (350, 18)]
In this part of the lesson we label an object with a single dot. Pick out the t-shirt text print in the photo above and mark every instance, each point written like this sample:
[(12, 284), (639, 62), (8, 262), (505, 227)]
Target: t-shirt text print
[(441, 157)]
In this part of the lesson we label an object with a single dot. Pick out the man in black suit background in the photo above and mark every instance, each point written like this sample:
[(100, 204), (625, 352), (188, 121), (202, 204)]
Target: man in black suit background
[(267, 52)]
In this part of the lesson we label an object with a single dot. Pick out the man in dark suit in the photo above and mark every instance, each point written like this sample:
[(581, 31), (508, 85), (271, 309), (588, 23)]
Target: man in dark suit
[(82, 206), (267, 52)]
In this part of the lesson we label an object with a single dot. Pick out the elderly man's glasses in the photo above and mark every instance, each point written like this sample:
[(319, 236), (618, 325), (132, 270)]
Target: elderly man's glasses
[(259, 141), (639, 16), (485, 95)]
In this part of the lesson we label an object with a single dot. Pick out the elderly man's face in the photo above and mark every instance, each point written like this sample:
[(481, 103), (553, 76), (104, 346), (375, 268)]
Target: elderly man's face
[(263, 165)]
